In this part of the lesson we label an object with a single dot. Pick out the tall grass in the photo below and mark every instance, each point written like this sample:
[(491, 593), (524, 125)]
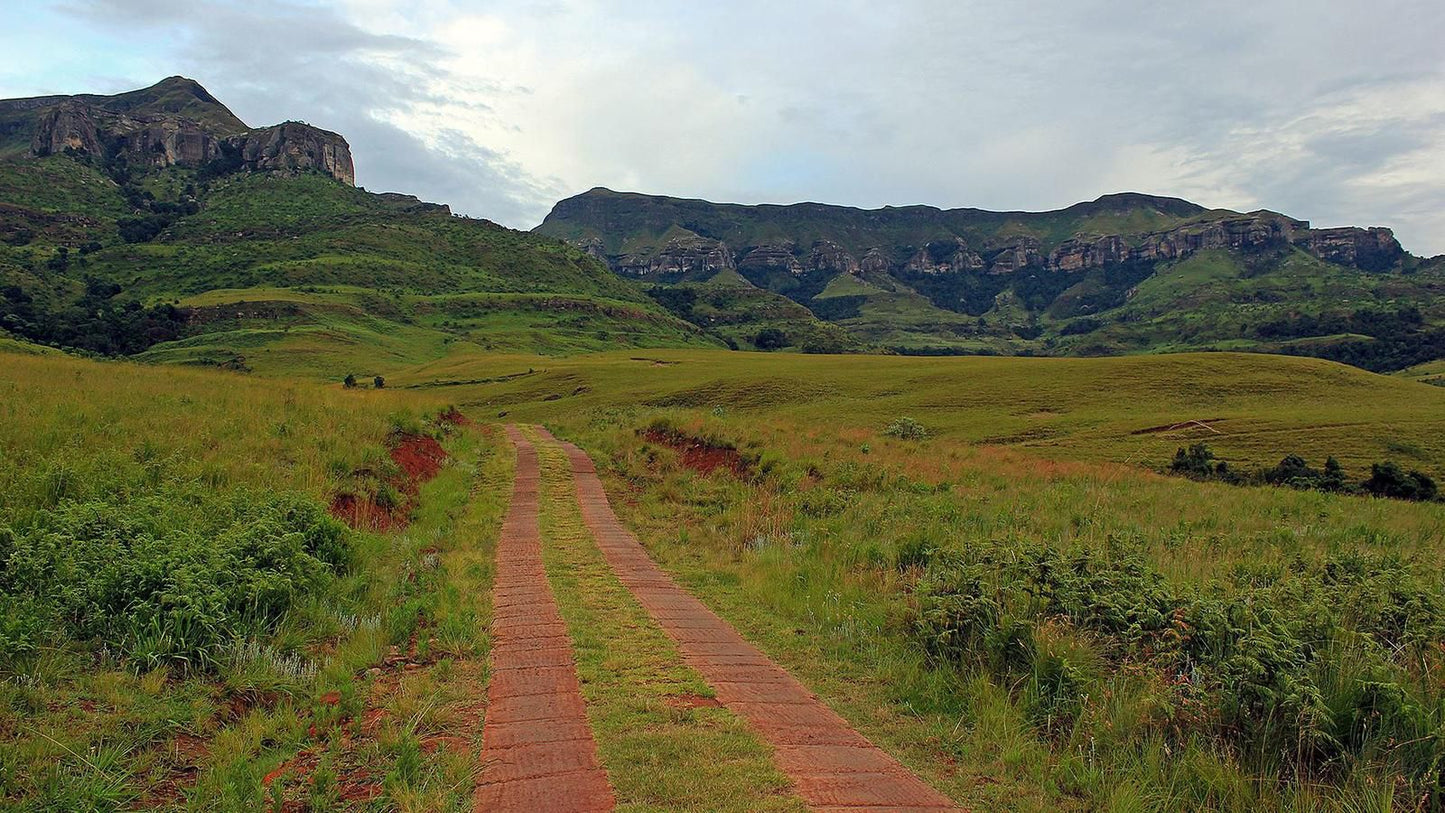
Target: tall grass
[(1077, 634)]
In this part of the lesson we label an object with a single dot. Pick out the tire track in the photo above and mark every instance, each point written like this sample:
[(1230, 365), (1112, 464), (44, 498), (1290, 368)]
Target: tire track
[(832, 765), (537, 749)]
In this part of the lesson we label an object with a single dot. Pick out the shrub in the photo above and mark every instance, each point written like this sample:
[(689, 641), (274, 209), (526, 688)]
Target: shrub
[(1197, 461), (770, 338), (1313, 665), (906, 429), (349, 381), (378, 382), (1388, 480), (168, 579)]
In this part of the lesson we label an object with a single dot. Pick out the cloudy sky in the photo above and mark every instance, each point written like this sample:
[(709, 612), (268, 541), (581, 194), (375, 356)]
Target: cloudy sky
[(1329, 111)]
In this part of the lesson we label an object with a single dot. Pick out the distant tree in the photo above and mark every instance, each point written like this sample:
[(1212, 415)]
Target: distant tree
[(379, 382), (349, 381), (770, 338), (1293, 471), (1389, 480), (61, 260), (1334, 477)]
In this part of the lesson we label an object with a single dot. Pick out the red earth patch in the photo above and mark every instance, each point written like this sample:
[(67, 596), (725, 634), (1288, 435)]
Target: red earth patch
[(697, 454), (419, 457)]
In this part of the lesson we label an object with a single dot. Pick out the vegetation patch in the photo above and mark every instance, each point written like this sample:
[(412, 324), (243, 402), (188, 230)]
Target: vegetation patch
[(384, 501), (1386, 479), (698, 454)]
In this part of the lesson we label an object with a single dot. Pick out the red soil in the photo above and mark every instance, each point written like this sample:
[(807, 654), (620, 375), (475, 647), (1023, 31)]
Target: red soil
[(699, 455), (419, 457)]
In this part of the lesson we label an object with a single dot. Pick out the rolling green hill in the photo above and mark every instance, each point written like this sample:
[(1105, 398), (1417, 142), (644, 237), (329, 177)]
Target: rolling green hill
[(271, 262), (1122, 274)]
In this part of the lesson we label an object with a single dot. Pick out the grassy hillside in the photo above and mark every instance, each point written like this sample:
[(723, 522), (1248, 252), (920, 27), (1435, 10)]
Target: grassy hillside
[(298, 273), (1252, 409), (1014, 603), (178, 610)]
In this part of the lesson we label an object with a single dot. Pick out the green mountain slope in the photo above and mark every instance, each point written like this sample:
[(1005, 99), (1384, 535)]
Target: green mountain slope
[(272, 261), (1124, 273)]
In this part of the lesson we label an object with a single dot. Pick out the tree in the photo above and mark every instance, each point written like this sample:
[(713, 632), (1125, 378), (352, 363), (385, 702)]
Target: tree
[(1334, 476), (349, 381), (378, 382), (1389, 480), (770, 338)]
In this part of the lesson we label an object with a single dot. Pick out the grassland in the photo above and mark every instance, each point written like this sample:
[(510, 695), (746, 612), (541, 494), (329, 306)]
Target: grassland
[(847, 554), (1251, 409), (834, 553), (136, 500)]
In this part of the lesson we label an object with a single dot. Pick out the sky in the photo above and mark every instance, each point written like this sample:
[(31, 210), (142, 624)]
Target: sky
[(1329, 111)]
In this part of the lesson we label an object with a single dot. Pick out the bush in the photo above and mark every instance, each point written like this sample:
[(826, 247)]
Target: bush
[(168, 579), (349, 381), (906, 429), (1311, 664), (1197, 461), (1388, 480), (770, 338)]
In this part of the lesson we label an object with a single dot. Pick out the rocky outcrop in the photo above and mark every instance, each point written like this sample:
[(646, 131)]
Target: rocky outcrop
[(1238, 233), (1015, 254), (1088, 252), (1372, 249), (944, 257), (831, 257), (875, 262), (771, 257), (411, 204), (157, 141), (683, 256), (73, 127), (295, 147)]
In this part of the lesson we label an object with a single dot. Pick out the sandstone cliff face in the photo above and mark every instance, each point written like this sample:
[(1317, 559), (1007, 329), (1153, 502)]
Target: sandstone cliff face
[(689, 255), (977, 243), (295, 147), (1015, 254), (163, 141), (831, 257), (156, 141), (770, 258), (946, 257), (1372, 249)]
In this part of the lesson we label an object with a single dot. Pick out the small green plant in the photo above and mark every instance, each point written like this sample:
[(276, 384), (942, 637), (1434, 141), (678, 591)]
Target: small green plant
[(906, 429)]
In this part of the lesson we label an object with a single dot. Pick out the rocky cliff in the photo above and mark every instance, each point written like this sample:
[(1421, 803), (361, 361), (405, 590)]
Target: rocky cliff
[(922, 279), (173, 123), (702, 238)]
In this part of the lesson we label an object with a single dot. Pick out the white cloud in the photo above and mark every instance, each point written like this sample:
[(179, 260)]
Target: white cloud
[(1329, 111)]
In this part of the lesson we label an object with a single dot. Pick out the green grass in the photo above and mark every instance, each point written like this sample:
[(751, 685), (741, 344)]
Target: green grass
[(1023, 456), (154, 459), (659, 754), (818, 561), (1257, 408)]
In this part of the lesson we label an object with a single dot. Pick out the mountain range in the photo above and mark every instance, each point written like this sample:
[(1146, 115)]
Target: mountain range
[(157, 224), (1123, 273)]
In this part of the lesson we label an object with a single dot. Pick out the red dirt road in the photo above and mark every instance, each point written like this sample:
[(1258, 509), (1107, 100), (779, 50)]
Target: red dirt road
[(537, 749), (832, 766)]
